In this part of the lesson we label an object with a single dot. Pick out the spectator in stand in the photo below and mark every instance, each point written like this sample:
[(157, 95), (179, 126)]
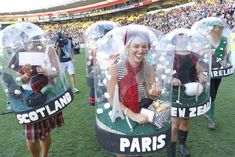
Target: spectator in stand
[(163, 20)]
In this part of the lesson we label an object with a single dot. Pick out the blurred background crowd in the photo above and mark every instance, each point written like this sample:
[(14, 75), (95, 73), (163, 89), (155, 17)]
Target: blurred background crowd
[(163, 19)]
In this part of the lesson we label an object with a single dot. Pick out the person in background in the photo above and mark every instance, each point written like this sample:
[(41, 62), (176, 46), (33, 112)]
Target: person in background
[(187, 70), (219, 47), (66, 51)]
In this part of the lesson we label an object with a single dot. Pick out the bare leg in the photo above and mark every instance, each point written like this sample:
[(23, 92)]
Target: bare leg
[(34, 148), (45, 144), (174, 128), (184, 125), (73, 80), (171, 150)]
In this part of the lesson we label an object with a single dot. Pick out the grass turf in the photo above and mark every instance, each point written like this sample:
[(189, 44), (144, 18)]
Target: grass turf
[(77, 137)]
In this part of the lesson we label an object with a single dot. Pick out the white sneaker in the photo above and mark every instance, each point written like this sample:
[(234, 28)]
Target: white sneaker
[(75, 90)]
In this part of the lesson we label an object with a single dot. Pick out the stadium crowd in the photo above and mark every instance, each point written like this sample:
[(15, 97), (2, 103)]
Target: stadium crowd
[(163, 20), (38, 133)]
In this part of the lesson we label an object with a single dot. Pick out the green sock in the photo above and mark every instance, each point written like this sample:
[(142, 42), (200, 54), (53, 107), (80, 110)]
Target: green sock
[(211, 112)]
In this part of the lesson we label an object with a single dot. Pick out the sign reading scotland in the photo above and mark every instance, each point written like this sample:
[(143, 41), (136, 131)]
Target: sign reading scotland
[(217, 32), (30, 74), (133, 81), (191, 77)]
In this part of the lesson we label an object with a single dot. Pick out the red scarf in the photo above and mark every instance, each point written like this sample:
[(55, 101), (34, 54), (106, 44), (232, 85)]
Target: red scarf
[(128, 88)]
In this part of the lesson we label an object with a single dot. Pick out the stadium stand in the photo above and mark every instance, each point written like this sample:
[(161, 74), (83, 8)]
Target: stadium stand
[(163, 19)]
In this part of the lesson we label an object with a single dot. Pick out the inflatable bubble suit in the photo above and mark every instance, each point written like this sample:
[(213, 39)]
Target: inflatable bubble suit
[(191, 77), (92, 34), (232, 46), (217, 32), (128, 67), (30, 73)]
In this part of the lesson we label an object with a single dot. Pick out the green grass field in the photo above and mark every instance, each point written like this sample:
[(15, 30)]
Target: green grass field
[(77, 137)]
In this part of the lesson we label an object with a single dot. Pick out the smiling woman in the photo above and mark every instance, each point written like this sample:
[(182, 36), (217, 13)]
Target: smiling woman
[(128, 87)]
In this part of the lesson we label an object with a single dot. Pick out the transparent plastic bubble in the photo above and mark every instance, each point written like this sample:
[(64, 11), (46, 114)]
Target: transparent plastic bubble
[(191, 77), (217, 32), (209, 25), (232, 46), (132, 70), (179, 39), (30, 73), (99, 29), (92, 35)]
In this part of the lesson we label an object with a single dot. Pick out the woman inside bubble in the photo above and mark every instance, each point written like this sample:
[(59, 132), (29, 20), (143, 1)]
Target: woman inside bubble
[(134, 77), (187, 69), (50, 67), (219, 45), (219, 58), (38, 134)]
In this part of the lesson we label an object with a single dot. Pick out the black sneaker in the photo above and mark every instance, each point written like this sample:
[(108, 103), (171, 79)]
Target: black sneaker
[(183, 150)]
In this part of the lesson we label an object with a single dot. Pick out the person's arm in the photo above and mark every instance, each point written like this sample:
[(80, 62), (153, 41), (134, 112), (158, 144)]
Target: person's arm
[(54, 61), (154, 88), (54, 71), (110, 84), (199, 70), (137, 117), (176, 82), (72, 48), (225, 58), (27, 70), (59, 51)]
